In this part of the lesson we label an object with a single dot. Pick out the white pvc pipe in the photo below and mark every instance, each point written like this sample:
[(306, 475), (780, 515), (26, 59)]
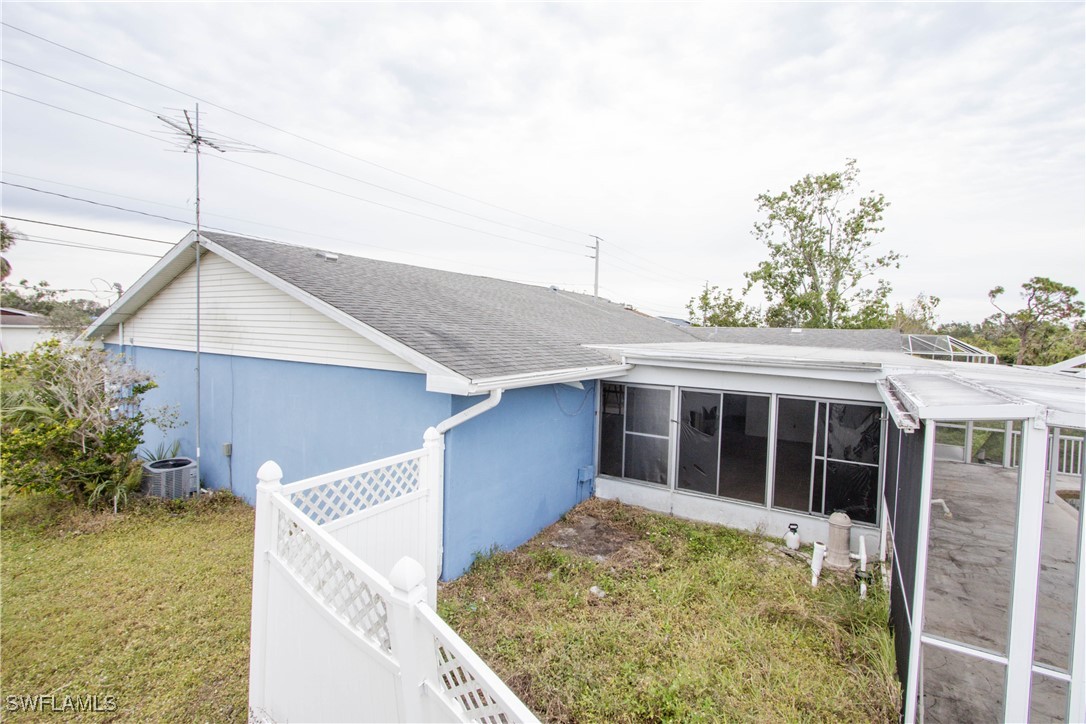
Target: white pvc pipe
[(816, 561), (863, 567)]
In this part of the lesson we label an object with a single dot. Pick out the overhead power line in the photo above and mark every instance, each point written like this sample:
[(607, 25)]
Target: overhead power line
[(81, 228), (244, 145), (50, 241), (95, 203), (81, 115), (303, 232), (288, 132), (76, 85), (657, 270), (295, 180), (393, 208), (351, 242)]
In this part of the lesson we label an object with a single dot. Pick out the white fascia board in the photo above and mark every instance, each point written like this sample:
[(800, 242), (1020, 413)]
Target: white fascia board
[(1007, 411), (905, 420), (401, 350), (152, 282), (1010, 409), (800, 363), (841, 374), (533, 379), (1059, 418)]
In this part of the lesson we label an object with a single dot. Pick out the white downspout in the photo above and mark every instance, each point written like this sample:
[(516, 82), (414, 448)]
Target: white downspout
[(435, 443), (473, 411)]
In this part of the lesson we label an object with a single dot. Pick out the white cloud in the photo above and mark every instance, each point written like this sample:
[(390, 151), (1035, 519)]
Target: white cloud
[(652, 125)]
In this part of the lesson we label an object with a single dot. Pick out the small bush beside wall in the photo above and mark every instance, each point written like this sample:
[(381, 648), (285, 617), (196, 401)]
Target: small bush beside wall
[(71, 422)]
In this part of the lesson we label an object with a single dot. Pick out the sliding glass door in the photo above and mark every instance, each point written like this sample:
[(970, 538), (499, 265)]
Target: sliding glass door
[(827, 457), (723, 444)]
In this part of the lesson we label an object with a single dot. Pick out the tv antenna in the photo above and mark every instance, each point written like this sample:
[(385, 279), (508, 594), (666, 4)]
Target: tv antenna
[(186, 129)]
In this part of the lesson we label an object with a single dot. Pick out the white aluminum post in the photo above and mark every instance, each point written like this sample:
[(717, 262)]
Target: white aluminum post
[(411, 646), (1027, 563), (270, 479), (1008, 444), (968, 442), (914, 678), (434, 479), (1053, 464), (1076, 704)]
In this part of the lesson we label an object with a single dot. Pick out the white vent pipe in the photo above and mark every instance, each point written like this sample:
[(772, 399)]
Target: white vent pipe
[(816, 561)]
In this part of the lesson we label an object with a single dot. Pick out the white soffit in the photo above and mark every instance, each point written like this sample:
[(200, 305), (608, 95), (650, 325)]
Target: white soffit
[(766, 355)]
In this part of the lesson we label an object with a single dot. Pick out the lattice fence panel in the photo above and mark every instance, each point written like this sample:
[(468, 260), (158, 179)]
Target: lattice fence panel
[(464, 686), (336, 585), (338, 498)]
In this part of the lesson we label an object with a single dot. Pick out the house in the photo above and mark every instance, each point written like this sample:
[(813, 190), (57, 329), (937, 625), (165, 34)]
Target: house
[(21, 330), (322, 360)]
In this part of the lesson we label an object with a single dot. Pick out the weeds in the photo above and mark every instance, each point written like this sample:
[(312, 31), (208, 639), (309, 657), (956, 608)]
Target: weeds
[(697, 623)]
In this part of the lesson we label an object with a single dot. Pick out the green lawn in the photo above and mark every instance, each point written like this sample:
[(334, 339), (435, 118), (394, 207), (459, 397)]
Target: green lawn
[(150, 607), (697, 623)]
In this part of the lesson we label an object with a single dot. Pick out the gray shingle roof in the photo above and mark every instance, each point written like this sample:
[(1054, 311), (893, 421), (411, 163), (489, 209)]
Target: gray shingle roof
[(477, 326), (863, 339)]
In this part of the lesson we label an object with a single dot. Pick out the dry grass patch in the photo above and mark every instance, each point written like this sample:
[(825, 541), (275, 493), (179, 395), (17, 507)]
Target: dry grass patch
[(150, 607), (697, 622)]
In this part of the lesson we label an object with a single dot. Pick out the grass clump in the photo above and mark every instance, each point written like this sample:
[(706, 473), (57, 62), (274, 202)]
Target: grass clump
[(150, 607), (698, 622)]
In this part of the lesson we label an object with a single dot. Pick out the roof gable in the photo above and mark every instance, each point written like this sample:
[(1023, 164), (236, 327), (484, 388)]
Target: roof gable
[(477, 326), (464, 326)]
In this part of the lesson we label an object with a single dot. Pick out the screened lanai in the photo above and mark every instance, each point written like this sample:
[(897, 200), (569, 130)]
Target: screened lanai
[(987, 576), (945, 468)]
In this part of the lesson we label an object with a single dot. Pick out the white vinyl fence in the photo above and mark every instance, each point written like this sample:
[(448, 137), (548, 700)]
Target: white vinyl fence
[(345, 570)]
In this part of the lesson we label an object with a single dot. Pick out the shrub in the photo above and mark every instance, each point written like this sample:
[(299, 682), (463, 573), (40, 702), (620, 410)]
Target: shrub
[(71, 421)]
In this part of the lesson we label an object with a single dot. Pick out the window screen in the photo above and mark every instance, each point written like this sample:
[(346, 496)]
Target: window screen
[(699, 441), (744, 447), (634, 432)]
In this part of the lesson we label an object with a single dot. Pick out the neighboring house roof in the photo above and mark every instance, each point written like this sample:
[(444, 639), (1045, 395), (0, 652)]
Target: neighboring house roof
[(887, 340), (477, 327), (21, 318)]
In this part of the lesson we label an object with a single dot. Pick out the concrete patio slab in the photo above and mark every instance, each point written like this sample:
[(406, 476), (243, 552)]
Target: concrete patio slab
[(969, 587)]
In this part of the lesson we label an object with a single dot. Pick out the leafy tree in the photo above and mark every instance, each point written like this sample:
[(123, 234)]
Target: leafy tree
[(715, 308), (65, 315), (8, 236), (1048, 302), (1054, 342), (71, 420), (820, 254), (918, 317)]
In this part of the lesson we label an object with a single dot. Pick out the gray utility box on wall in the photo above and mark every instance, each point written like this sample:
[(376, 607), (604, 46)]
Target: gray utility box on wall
[(172, 478)]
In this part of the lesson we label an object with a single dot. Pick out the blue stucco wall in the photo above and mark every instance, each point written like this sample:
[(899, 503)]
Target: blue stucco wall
[(309, 418), (513, 471), (509, 473)]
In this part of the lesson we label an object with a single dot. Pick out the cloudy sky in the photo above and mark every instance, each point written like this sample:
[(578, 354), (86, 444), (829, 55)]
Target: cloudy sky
[(496, 139)]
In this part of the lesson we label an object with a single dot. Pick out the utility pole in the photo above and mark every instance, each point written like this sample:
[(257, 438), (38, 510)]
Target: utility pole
[(596, 256), (705, 305)]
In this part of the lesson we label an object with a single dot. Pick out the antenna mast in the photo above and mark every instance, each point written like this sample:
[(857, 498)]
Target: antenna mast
[(187, 130)]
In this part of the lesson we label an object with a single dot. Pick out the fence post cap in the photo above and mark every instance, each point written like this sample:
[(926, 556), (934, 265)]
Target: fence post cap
[(270, 472), (407, 574), (431, 435)]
